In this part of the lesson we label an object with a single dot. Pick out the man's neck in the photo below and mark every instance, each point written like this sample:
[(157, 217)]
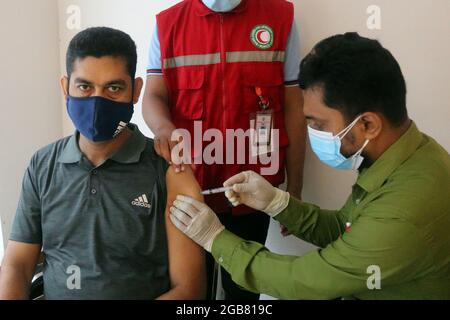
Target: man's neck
[(98, 152), (384, 142)]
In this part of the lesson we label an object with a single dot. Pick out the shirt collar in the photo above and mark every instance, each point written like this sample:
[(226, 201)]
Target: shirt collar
[(373, 177), (202, 10), (71, 152), (130, 152)]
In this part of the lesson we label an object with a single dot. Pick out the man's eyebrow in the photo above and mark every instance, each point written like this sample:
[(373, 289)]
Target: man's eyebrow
[(311, 118), (81, 80), (118, 82)]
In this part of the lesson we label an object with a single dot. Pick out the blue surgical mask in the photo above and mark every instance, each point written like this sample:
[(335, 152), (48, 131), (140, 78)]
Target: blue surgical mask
[(327, 147), (221, 5), (97, 118)]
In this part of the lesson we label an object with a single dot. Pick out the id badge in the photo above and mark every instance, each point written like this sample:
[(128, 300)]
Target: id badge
[(261, 138)]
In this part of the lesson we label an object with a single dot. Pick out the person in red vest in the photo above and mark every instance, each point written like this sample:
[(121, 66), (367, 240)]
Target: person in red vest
[(221, 66)]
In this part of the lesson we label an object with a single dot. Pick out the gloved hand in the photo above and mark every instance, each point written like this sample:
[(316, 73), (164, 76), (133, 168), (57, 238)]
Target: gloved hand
[(251, 189), (196, 220)]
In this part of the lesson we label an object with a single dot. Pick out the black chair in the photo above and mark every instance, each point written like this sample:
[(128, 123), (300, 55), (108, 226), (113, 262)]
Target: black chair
[(37, 284)]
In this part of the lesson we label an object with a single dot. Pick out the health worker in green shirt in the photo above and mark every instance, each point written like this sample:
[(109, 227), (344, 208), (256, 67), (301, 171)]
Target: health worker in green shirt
[(391, 240)]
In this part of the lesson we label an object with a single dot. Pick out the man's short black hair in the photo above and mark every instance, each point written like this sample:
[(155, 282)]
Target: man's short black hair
[(357, 75), (100, 42)]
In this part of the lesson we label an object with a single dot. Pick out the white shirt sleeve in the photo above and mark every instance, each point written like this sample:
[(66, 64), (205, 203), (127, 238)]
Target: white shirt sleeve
[(154, 59), (292, 58)]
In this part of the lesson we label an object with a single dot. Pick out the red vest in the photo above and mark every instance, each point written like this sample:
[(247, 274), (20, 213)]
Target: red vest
[(212, 63)]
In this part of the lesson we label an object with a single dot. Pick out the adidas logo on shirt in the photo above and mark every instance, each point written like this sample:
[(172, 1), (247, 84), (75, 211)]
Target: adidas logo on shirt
[(142, 201), (122, 125)]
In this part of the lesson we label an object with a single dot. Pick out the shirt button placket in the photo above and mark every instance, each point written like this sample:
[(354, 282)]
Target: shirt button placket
[(93, 187)]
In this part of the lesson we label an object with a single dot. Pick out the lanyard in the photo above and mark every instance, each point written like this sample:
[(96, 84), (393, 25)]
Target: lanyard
[(264, 103)]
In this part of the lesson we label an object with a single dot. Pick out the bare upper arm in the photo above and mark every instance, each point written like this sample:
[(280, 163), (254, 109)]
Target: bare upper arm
[(186, 258), (22, 256), (156, 87)]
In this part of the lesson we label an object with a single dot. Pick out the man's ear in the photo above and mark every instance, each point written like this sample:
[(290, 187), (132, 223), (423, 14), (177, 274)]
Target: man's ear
[(372, 125), (138, 84), (65, 85)]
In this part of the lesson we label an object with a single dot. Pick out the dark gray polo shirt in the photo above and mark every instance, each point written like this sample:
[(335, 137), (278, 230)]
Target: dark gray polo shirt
[(102, 229)]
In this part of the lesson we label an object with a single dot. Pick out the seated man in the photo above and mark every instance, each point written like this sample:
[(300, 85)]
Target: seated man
[(95, 202)]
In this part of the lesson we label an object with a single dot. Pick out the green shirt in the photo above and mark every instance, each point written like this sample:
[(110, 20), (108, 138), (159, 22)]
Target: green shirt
[(399, 212)]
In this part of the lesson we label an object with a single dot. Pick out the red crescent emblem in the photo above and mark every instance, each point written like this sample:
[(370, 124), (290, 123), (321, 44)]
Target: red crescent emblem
[(259, 36)]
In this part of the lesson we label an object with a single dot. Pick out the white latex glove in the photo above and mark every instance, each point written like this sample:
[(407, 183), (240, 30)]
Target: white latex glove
[(196, 220), (251, 189)]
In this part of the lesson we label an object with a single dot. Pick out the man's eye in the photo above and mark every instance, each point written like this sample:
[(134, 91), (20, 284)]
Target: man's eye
[(114, 89), (319, 128), (83, 87), (316, 126), (313, 124)]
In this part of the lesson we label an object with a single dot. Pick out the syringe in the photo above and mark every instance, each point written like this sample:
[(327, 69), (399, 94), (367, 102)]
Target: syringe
[(217, 190)]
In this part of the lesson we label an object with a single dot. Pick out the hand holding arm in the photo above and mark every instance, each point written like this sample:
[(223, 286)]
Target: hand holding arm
[(196, 220)]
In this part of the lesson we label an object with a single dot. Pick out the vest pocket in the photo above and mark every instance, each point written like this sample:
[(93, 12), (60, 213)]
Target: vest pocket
[(267, 77), (187, 85)]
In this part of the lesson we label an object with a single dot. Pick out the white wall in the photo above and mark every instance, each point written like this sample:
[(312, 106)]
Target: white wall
[(30, 111)]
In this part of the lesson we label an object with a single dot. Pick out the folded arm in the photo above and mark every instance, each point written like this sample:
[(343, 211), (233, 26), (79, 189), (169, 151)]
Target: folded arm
[(17, 270)]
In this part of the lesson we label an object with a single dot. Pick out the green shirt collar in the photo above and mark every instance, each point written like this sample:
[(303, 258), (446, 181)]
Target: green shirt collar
[(373, 177), (130, 152)]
